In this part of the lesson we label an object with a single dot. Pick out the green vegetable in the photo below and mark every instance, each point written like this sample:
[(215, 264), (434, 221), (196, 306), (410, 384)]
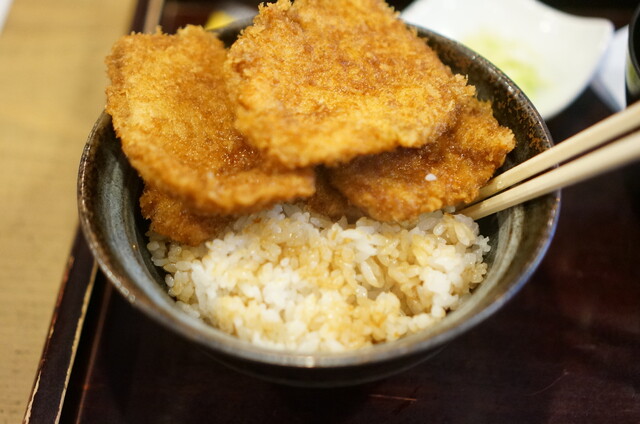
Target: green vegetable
[(512, 57)]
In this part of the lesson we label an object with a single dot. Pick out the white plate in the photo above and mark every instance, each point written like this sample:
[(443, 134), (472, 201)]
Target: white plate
[(551, 55), (608, 83)]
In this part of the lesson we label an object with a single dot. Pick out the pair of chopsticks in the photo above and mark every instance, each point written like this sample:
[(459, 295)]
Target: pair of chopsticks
[(617, 151)]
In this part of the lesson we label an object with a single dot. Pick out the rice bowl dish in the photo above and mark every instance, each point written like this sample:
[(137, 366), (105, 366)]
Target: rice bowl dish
[(109, 190), (311, 196)]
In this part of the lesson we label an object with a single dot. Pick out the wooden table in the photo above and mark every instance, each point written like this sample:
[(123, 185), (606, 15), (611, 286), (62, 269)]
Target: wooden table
[(565, 350), (52, 80)]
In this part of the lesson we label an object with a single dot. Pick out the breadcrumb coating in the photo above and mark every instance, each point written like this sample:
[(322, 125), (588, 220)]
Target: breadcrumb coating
[(323, 81), (171, 111), (400, 185), (171, 218)]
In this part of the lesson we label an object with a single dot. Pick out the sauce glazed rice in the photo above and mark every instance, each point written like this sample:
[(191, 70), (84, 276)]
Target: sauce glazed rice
[(290, 279)]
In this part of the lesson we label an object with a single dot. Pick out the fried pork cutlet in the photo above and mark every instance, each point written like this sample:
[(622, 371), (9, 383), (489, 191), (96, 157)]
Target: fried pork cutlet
[(400, 185), (170, 109), (329, 201), (171, 218), (322, 81)]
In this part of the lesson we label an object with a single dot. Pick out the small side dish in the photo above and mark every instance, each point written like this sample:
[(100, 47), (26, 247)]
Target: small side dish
[(552, 56)]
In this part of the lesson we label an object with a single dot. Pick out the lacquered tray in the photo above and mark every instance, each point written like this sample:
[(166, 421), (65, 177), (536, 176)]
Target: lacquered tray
[(565, 350)]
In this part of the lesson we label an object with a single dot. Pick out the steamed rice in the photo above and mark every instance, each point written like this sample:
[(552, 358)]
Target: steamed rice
[(290, 279)]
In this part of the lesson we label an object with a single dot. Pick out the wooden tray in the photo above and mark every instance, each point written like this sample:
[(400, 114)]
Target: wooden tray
[(565, 350)]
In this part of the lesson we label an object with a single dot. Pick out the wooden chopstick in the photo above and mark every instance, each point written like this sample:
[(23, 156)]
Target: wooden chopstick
[(152, 16), (616, 154), (594, 136)]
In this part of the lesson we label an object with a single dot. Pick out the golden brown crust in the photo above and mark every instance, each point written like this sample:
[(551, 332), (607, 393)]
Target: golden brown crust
[(322, 81), (330, 202), (400, 185), (171, 218), (170, 109)]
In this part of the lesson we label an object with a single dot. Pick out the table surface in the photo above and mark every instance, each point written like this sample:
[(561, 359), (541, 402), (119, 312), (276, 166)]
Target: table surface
[(52, 80), (564, 350)]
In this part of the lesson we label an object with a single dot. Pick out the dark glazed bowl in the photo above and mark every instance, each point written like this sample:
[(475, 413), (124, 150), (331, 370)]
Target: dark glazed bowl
[(108, 190), (632, 74)]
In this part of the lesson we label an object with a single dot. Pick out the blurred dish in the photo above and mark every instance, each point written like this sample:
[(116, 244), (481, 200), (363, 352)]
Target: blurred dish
[(551, 55), (228, 12), (608, 83)]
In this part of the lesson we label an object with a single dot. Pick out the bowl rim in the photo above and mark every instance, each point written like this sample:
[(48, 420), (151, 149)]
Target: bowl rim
[(224, 343), (634, 35)]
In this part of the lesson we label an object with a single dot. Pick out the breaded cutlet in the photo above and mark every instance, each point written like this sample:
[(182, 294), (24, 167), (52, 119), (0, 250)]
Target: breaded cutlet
[(400, 185), (323, 81), (171, 218), (171, 111)]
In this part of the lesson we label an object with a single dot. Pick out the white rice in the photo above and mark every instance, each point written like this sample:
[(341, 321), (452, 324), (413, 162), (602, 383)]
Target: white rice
[(290, 279)]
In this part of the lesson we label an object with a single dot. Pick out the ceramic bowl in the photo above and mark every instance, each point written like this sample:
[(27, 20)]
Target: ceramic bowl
[(109, 188), (632, 74), (551, 55)]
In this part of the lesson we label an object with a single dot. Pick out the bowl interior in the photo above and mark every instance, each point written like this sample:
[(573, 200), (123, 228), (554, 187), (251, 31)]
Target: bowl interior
[(108, 190)]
